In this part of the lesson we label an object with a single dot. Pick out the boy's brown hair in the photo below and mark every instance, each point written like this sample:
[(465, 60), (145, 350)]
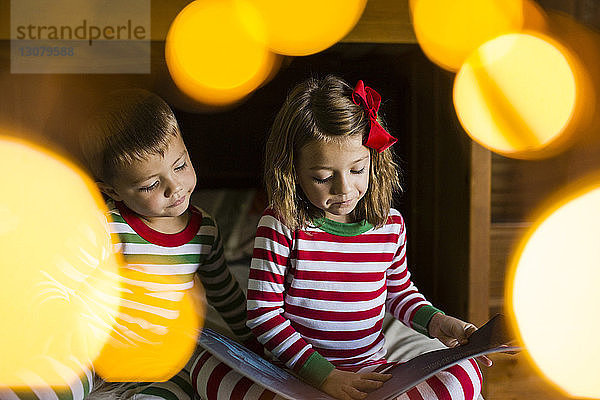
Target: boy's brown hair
[(131, 125), (322, 110)]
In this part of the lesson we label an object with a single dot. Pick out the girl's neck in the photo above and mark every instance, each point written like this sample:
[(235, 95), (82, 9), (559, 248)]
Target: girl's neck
[(345, 219)]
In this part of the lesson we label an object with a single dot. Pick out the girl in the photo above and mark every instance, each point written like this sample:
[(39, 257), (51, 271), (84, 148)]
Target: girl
[(330, 252)]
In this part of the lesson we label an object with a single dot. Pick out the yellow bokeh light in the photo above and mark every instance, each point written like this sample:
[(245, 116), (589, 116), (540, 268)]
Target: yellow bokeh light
[(156, 331), (553, 291), (584, 43), (509, 100), (215, 51), (59, 274), (448, 31), (300, 28)]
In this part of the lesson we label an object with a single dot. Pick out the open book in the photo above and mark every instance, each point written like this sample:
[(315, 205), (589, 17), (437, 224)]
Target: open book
[(490, 338)]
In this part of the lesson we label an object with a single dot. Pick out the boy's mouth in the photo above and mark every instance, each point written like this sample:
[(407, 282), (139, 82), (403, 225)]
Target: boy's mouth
[(177, 202)]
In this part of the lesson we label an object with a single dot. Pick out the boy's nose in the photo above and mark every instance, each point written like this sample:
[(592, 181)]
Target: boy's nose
[(173, 187)]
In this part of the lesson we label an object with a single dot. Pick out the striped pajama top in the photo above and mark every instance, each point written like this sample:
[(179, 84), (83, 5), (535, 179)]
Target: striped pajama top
[(195, 251), (317, 296), (167, 264)]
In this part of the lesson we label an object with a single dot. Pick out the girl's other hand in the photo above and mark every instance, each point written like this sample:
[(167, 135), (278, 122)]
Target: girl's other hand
[(345, 385), (453, 332)]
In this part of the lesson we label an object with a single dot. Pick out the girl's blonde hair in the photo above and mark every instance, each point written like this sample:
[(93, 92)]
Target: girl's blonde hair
[(322, 110), (131, 125)]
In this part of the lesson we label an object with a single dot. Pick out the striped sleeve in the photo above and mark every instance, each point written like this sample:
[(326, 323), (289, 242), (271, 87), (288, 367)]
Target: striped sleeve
[(266, 286), (77, 384), (404, 301), (223, 291)]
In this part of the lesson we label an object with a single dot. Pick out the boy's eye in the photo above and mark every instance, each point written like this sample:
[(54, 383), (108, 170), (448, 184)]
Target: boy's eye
[(319, 180), (148, 188), (182, 166), (360, 171)]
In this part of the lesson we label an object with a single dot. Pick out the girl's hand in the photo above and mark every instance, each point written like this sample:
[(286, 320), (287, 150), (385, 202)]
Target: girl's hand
[(345, 385), (453, 332)]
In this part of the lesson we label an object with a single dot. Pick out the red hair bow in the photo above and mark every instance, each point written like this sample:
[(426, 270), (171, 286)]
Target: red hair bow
[(378, 138)]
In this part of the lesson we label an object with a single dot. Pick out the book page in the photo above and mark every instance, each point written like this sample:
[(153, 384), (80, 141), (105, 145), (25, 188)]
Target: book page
[(493, 337)]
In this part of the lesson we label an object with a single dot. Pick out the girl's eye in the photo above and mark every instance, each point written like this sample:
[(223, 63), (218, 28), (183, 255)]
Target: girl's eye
[(149, 188), (181, 167), (360, 171), (320, 181)]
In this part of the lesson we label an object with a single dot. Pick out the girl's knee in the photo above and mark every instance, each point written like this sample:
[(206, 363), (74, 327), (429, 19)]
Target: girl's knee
[(459, 382), (463, 380)]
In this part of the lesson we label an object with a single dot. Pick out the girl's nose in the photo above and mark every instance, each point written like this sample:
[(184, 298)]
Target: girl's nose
[(341, 185)]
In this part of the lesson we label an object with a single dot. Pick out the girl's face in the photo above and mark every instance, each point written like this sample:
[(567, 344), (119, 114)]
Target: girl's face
[(159, 187), (334, 176)]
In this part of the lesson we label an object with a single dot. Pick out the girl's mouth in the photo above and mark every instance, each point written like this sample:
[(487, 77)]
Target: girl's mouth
[(342, 203)]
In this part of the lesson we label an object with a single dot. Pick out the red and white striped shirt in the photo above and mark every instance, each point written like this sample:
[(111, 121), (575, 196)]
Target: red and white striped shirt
[(326, 289)]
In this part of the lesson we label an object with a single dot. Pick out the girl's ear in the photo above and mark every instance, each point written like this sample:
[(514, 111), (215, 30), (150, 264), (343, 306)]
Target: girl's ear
[(109, 191)]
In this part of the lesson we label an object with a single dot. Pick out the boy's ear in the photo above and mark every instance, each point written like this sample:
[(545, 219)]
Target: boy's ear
[(108, 190)]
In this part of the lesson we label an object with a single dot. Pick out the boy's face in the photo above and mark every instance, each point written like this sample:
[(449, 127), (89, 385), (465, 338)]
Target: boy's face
[(158, 186)]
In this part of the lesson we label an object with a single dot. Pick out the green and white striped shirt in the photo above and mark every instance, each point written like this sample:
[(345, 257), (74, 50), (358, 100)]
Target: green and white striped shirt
[(195, 251), (167, 264)]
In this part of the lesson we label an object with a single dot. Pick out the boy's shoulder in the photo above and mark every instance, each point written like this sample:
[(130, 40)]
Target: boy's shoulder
[(205, 218), (113, 214)]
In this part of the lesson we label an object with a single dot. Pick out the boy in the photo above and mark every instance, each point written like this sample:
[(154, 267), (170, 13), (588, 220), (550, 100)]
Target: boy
[(135, 151)]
